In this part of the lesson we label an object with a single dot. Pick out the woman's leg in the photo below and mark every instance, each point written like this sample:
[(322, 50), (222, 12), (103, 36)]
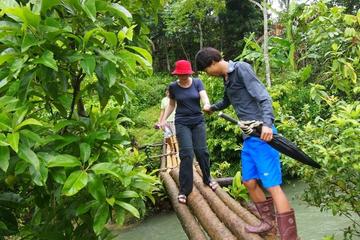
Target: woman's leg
[(201, 150), (183, 134)]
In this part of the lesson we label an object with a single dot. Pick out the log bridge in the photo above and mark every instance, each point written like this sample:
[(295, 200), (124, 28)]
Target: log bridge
[(207, 214)]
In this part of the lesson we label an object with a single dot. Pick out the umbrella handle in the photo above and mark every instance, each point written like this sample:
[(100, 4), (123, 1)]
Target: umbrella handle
[(255, 131), (228, 118)]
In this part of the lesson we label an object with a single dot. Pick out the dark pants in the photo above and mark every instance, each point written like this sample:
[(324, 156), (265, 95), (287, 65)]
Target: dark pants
[(192, 139)]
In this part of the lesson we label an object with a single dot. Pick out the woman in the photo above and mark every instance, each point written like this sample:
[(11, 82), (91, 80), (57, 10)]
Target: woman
[(171, 119), (186, 93)]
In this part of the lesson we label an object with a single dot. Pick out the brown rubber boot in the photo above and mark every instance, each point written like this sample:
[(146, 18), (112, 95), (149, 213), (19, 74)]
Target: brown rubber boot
[(267, 214), (287, 225)]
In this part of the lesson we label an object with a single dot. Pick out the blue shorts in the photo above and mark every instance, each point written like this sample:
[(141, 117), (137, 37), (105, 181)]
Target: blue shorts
[(260, 161)]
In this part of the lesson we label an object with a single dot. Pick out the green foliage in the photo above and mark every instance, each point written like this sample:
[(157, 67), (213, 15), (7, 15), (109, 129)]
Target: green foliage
[(64, 155), (335, 143), (238, 190)]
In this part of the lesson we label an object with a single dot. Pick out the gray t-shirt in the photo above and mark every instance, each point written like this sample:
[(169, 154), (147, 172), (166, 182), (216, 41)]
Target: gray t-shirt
[(249, 97)]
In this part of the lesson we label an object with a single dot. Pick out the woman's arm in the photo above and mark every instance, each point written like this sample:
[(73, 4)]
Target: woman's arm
[(205, 100)]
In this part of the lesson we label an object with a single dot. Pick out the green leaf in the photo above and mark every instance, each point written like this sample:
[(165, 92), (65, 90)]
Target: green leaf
[(89, 8), (8, 3), (5, 123), (128, 194), (110, 201), (63, 160), (142, 52), (47, 4), (64, 123), (85, 151), (7, 57), (23, 14), (96, 188), (30, 40), (110, 38), (31, 135), (10, 199), (89, 34), (88, 64), (20, 167), (120, 215), (75, 182), (13, 140), (4, 158), (106, 168), (47, 59), (59, 175), (29, 121), (100, 218), (130, 208), (121, 12), (29, 156), (110, 73), (85, 207), (39, 177)]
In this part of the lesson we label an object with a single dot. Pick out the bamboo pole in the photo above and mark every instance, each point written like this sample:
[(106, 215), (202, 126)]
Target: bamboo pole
[(208, 219)]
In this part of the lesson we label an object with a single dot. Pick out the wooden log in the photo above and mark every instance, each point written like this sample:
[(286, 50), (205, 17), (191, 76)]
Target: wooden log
[(228, 217), (163, 159), (189, 223), (243, 213), (168, 157), (235, 206), (208, 219), (224, 181)]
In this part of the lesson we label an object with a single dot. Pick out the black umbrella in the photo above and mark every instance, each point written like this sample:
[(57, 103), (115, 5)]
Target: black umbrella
[(253, 128)]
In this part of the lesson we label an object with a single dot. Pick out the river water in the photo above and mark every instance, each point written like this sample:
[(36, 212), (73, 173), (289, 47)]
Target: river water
[(312, 224)]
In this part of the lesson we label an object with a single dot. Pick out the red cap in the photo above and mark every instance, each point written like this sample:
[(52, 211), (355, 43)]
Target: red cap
[(182, 67)]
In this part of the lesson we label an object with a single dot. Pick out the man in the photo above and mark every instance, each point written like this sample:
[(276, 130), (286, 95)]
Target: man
[(260, 161)]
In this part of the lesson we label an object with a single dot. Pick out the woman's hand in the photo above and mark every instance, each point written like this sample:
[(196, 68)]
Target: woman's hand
[(207, 108), (266, 133)]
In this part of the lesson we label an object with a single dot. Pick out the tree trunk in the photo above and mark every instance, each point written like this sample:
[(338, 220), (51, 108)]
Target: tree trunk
[(237, 208), (184, 51), (187, 220), (167, 56), (208, 219), (201, 36), (228, 217), (224, 181), (266, 40), (266, 48)]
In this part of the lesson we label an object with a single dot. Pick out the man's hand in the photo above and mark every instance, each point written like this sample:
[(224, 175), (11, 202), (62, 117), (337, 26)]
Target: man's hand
[(266, 133), (207, 109)]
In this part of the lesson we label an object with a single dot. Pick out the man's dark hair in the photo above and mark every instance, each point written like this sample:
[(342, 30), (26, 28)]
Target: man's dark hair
[(205, 57)]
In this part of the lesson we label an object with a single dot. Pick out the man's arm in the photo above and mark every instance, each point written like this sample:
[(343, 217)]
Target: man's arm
[(258, 91), (224, 103)]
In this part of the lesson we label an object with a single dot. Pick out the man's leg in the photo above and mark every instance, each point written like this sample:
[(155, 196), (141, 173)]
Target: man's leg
[(251, 157), (280, 200), (255, 191)]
